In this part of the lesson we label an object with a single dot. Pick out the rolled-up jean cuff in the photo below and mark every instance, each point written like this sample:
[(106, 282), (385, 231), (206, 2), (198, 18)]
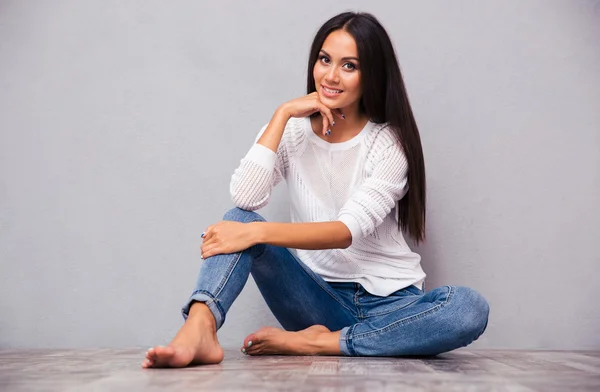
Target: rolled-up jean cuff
[(345, 342), (210, 301)]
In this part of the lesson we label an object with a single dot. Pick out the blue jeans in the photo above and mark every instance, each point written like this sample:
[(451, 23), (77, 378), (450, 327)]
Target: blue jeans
[(407, 322)]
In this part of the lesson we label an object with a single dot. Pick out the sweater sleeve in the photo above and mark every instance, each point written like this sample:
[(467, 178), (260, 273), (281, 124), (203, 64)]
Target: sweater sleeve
[(256, 176), (377, 195)]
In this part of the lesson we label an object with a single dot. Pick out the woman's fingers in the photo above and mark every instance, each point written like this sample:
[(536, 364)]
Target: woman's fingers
[(325, 129), (327, 118), (207, 239), (210, 249), (330, 117), (338, 112), (206, 250), (207, 233), (327, 114), (208, 242)]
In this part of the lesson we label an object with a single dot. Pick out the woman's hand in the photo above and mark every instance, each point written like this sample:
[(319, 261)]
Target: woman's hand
[(309, 104), (227, 237)]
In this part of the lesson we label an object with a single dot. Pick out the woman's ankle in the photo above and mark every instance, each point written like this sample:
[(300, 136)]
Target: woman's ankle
[(200, 312)]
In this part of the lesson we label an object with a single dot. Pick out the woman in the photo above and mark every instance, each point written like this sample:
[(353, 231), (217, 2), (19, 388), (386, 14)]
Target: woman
[(340, 278)]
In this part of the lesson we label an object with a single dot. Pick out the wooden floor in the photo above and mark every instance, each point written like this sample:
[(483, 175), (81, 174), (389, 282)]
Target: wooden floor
[(460, 370)]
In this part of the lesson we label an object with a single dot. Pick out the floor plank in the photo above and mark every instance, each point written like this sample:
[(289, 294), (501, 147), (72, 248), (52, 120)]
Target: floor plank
[(459, 370)]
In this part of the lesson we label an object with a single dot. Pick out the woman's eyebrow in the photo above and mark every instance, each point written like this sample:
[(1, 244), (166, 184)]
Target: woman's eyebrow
[(343, 58)]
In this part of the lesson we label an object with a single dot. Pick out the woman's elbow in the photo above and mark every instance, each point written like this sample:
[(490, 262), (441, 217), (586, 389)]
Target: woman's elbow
[(346, 240), (346, 243), (246, 204)]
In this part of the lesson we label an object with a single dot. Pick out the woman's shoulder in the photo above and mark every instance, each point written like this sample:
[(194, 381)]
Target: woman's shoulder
[(381, 136)]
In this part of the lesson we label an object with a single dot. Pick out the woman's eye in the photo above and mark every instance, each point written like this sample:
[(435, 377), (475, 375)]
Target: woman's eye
[(325, 59)]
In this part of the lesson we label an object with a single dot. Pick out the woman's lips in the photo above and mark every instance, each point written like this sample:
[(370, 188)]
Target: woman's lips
[(330, 94)]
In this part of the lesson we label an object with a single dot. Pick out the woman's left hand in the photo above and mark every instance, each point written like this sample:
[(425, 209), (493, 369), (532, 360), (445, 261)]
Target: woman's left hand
[(226, 237)]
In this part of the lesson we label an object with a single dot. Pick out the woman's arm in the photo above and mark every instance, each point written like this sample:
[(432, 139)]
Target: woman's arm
[(262, 168), (229, 236), (272, 135), (313, 235)]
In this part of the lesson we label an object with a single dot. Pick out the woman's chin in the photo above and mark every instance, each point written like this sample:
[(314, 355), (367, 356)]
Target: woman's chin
[(332, 103)]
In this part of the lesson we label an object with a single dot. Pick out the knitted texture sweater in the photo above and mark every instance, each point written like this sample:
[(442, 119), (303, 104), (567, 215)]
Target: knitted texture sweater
[(357, 182)]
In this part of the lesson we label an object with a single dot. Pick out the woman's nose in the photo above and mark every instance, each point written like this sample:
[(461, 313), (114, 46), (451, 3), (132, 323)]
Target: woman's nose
[(332, 75)]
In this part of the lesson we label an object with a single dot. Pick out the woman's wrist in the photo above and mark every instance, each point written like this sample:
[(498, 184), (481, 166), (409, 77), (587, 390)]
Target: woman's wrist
[(257, 232), (282, 112)]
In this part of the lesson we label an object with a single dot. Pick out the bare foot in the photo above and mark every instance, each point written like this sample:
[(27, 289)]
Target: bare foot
[(195, 343), (269, 340)]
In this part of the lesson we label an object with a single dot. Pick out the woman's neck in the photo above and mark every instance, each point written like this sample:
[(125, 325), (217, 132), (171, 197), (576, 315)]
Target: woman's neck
[(353, 120), (343, 130)]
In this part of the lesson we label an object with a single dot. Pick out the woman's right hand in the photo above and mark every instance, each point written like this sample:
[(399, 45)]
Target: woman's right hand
[(309, 104)]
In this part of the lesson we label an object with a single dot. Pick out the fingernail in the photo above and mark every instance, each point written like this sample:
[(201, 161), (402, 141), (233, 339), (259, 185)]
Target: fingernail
[(343, 116), (333, 123), (201, 257), (328, 132), (202, 234), (249, 344), (244, 350)]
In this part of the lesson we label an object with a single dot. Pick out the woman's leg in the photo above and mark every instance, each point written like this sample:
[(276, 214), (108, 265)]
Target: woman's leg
[(222, 278), (297, 296), (438, 321), (311, 310)]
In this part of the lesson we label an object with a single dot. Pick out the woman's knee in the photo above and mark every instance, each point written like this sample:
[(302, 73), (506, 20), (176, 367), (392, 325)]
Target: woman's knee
[(474, 311), (238, 215)]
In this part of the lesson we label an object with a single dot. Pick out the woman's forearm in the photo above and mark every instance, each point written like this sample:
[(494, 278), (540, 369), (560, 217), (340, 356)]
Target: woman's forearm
[(314, 235), (271, 137)]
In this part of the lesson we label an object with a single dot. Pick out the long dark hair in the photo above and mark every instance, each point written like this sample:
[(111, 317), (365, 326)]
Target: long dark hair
[(384, 99)]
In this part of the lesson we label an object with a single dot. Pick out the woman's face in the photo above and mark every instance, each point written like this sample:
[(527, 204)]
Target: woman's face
[(337, 72)]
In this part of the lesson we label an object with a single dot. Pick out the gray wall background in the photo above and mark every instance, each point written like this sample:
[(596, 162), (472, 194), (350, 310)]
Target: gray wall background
[(121, 123)]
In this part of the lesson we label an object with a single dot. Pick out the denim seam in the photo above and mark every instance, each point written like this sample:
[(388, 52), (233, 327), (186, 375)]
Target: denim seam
[(393, 310), (228, 275), (213, 300), (343, 341), (348, 339), (407, 319)]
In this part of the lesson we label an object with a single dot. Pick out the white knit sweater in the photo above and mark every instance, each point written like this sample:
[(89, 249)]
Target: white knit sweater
[(357, 182)]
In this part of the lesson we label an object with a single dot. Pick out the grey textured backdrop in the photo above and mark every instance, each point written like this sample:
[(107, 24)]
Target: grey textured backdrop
[(121, 123)]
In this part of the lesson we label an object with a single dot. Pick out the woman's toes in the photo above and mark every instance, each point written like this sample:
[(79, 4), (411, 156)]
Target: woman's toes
[(164, 353), (150, 358), (150, 354), (256, 350), (249, 341), (250, 344)]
